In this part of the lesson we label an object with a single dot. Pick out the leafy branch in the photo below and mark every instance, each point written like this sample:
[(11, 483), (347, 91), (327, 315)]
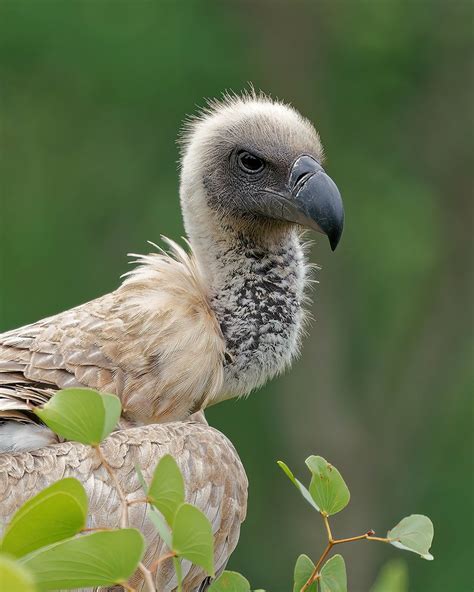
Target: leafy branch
[(47, 544), (328, 494)]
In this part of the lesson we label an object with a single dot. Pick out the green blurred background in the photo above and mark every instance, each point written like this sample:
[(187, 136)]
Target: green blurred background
[(92, 96)]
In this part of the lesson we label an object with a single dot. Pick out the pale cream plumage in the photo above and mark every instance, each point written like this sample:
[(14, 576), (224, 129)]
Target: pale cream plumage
[(214, 477)]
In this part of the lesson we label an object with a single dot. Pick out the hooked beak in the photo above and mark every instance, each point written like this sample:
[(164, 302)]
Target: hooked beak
[(313, 200)]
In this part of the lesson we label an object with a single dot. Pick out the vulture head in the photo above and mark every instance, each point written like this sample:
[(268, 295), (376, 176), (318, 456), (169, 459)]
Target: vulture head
[(253, 166)]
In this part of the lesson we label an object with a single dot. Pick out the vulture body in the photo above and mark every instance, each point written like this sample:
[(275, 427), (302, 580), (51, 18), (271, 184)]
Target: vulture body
[(187, 328), (214, 478)]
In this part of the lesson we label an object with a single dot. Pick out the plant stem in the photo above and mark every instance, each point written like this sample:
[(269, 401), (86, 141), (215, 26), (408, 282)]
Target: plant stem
[(146, 573), (141, 500), (368, 536), (380, 539), (118, 487), (164, 557), (328, 528), (315, 573), (147, 577), (350, 539)]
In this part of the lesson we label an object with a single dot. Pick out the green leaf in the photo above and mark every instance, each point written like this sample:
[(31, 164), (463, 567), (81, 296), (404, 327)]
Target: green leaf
[(112, 411), (56, 513), (160, 524), (393, 577), (413, 533), (303, 569), (14, 577), (166, 490), (98, 559), (333, 576), (230, 581), (81, 414), (192, 537), (327, 487), (301, 488)]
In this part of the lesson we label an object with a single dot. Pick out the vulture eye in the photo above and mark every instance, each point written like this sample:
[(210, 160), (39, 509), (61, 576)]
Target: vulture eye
[(250, 163)]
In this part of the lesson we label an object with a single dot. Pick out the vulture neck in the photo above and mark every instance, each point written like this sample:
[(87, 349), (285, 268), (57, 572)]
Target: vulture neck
[(256, 287)]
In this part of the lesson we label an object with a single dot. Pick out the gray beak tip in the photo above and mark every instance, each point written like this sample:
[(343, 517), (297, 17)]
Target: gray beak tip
[(334, 237), (334, 230)]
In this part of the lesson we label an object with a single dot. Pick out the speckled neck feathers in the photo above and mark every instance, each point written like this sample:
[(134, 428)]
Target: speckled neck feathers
[(257, 298)]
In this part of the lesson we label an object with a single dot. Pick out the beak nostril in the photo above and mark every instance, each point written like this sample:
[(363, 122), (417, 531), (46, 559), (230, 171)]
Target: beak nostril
[(302, 169), (301, 180)]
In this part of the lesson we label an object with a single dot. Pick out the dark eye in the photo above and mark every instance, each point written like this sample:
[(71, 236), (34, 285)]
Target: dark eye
[(250, 163)]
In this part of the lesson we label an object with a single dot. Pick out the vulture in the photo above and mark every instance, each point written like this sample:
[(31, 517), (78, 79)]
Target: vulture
[(188, 327)]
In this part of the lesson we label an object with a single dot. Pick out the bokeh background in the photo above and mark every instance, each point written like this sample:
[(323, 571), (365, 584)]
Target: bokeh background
[(92, 96)]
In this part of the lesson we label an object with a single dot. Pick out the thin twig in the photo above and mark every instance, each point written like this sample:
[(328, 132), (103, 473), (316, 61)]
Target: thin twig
[(328, 528), (164, 557), (321, 559), (380, 539), (118, 488), (350, 539), (148, 578), (315, 573), (368, 536), (140, 500)]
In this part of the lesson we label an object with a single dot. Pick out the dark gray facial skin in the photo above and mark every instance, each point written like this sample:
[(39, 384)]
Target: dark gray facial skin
[(290, 186)]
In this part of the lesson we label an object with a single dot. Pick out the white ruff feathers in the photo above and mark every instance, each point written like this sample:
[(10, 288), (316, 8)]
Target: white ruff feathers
[(168, 308)]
